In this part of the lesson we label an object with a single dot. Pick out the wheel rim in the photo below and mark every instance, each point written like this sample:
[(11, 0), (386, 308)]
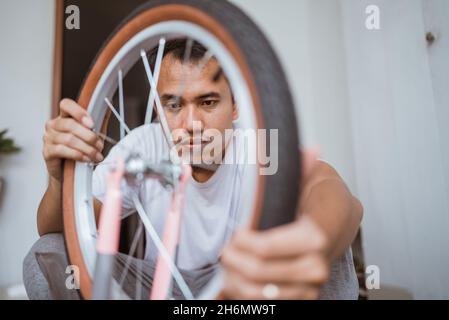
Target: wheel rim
[(82, 243)]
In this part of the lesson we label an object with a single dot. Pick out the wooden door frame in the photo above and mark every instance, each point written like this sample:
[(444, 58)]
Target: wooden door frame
[(57, 57)]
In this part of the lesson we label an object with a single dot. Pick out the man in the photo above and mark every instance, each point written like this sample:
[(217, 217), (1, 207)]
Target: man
[(307, 259)]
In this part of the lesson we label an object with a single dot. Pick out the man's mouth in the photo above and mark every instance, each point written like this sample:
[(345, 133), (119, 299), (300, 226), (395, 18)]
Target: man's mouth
[(191, 143)]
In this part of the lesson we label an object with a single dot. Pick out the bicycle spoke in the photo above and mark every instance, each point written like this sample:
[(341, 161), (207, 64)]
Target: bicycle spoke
[(138, 267), (113, 142), (119, 118), (107, 138), (157, 67), (131, 251), (139, 277), (187, 50), (116, 143), (203, 61), (159, 108), (121, 103), (185, 60), (162, 250)]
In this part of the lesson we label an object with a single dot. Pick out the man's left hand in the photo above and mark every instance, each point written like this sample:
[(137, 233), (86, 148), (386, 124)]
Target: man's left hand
[(287, 262)]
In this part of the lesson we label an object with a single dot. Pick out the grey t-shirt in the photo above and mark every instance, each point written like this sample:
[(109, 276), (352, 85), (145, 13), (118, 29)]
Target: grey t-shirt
[(343, 283)]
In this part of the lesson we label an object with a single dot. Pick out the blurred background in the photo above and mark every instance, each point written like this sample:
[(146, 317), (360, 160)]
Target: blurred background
[(376, 102)]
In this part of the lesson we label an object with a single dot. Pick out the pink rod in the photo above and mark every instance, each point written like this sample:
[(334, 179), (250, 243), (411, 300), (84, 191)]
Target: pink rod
[(172, 230), (109, 228)]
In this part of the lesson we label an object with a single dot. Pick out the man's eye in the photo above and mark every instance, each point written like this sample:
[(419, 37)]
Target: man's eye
[(209, 103), (172, 106)]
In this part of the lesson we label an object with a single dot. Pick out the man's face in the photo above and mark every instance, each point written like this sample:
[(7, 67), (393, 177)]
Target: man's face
[(192, 93)]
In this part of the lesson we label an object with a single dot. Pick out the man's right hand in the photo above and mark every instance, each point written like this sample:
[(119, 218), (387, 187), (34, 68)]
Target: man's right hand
[(69, 136)]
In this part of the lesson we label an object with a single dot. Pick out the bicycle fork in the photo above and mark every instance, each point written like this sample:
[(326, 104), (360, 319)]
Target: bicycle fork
[(108, 235), (162, 275)]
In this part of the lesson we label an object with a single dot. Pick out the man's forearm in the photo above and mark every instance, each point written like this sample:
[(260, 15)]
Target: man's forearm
[(330, 204), (49, 215)]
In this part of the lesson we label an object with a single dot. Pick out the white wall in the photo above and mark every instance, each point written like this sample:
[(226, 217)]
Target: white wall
[(26, 60), (399, 107)]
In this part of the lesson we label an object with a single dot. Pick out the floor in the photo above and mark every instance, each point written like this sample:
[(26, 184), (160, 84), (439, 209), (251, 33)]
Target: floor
[(15, 292)]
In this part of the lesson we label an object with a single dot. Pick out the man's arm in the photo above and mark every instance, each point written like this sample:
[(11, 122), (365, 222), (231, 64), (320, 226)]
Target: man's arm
[(295, 258), (327, 200), (49, 213)]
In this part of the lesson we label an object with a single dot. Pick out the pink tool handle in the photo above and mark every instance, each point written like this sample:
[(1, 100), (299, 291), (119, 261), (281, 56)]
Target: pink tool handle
[(162, 275), (109, 229)]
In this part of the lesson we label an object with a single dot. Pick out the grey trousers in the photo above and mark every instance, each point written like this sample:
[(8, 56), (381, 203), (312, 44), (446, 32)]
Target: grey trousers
[(45, 273), (47, 256)]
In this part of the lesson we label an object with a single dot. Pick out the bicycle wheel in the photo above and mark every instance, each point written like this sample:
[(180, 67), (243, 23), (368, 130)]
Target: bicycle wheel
[(259, 88)]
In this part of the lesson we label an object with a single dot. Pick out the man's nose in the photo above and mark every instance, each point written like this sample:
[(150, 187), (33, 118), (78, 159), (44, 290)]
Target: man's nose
[(192, 119)]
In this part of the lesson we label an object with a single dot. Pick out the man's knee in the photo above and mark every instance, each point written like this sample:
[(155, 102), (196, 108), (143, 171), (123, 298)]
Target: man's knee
[(35, 272)]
